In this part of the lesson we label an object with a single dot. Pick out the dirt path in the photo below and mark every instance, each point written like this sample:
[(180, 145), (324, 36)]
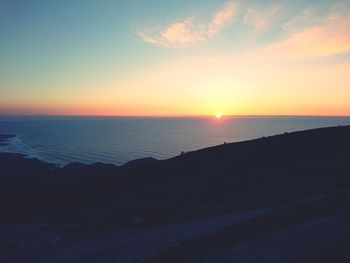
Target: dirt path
[(129, 245), (134, 244)]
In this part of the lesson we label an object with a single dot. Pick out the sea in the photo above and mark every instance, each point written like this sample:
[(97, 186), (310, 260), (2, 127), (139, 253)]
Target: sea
[(117, 140)]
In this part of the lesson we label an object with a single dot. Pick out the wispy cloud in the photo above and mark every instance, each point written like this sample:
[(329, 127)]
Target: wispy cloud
[(260, 19), (328, 35), (189, 31), (221, 18), (308, 17), (308, 35)]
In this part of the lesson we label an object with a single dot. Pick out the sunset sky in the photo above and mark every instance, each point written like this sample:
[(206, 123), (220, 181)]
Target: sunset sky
[(177, 58)]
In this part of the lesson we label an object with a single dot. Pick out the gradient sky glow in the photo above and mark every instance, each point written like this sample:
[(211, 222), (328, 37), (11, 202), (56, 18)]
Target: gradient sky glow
[(185, 57)]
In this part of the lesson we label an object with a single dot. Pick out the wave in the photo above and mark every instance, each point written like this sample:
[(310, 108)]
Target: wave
[(17, 144), (118, 140)]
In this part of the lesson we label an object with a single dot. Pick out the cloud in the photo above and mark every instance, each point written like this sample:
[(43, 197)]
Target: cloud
[(307, 36), (177, 34), (306, 18), (189, 31), (328, 36), (222, 17), (259, 19)]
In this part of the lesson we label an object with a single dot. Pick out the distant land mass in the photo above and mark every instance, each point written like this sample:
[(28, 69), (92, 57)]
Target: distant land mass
[(283, 198)]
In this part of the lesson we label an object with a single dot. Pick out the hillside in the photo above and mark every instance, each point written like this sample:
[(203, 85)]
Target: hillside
[(215, 184)]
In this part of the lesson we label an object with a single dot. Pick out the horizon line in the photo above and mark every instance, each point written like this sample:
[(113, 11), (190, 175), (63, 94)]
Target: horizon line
[(168, 116)]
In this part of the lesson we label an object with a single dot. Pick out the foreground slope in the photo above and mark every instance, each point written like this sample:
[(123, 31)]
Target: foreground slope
[(45, 207)]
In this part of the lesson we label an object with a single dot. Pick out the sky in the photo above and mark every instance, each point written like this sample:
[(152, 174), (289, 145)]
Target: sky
[(174, 58)]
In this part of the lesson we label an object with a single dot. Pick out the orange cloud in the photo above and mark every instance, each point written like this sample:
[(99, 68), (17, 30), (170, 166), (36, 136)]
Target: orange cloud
[(331, 36), (182, 33), (189, 31)]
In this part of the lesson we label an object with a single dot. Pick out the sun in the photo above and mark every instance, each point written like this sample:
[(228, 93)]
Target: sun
[(218, 115)]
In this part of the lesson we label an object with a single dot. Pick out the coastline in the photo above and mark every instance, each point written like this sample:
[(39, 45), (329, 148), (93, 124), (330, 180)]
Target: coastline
[(5, 141), (74, 141)]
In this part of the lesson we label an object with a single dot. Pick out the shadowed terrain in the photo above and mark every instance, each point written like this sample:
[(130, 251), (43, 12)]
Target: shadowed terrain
[(282, 198)]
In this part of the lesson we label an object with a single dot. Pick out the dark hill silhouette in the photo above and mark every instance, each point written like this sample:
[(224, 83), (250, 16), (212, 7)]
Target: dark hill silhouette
[(292, 164), (212, 181)]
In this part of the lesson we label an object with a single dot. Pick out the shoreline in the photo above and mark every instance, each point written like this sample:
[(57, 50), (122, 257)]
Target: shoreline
[(77, 143), (4, 141)]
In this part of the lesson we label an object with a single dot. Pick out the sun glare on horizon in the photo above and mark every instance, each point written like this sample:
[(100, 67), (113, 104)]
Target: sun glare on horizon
[(218, 115)]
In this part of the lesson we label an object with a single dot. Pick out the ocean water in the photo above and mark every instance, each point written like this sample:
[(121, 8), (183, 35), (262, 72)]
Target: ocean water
[(116, 140)]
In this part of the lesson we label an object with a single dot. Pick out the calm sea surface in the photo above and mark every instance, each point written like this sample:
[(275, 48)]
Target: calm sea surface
[(119, 139)]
